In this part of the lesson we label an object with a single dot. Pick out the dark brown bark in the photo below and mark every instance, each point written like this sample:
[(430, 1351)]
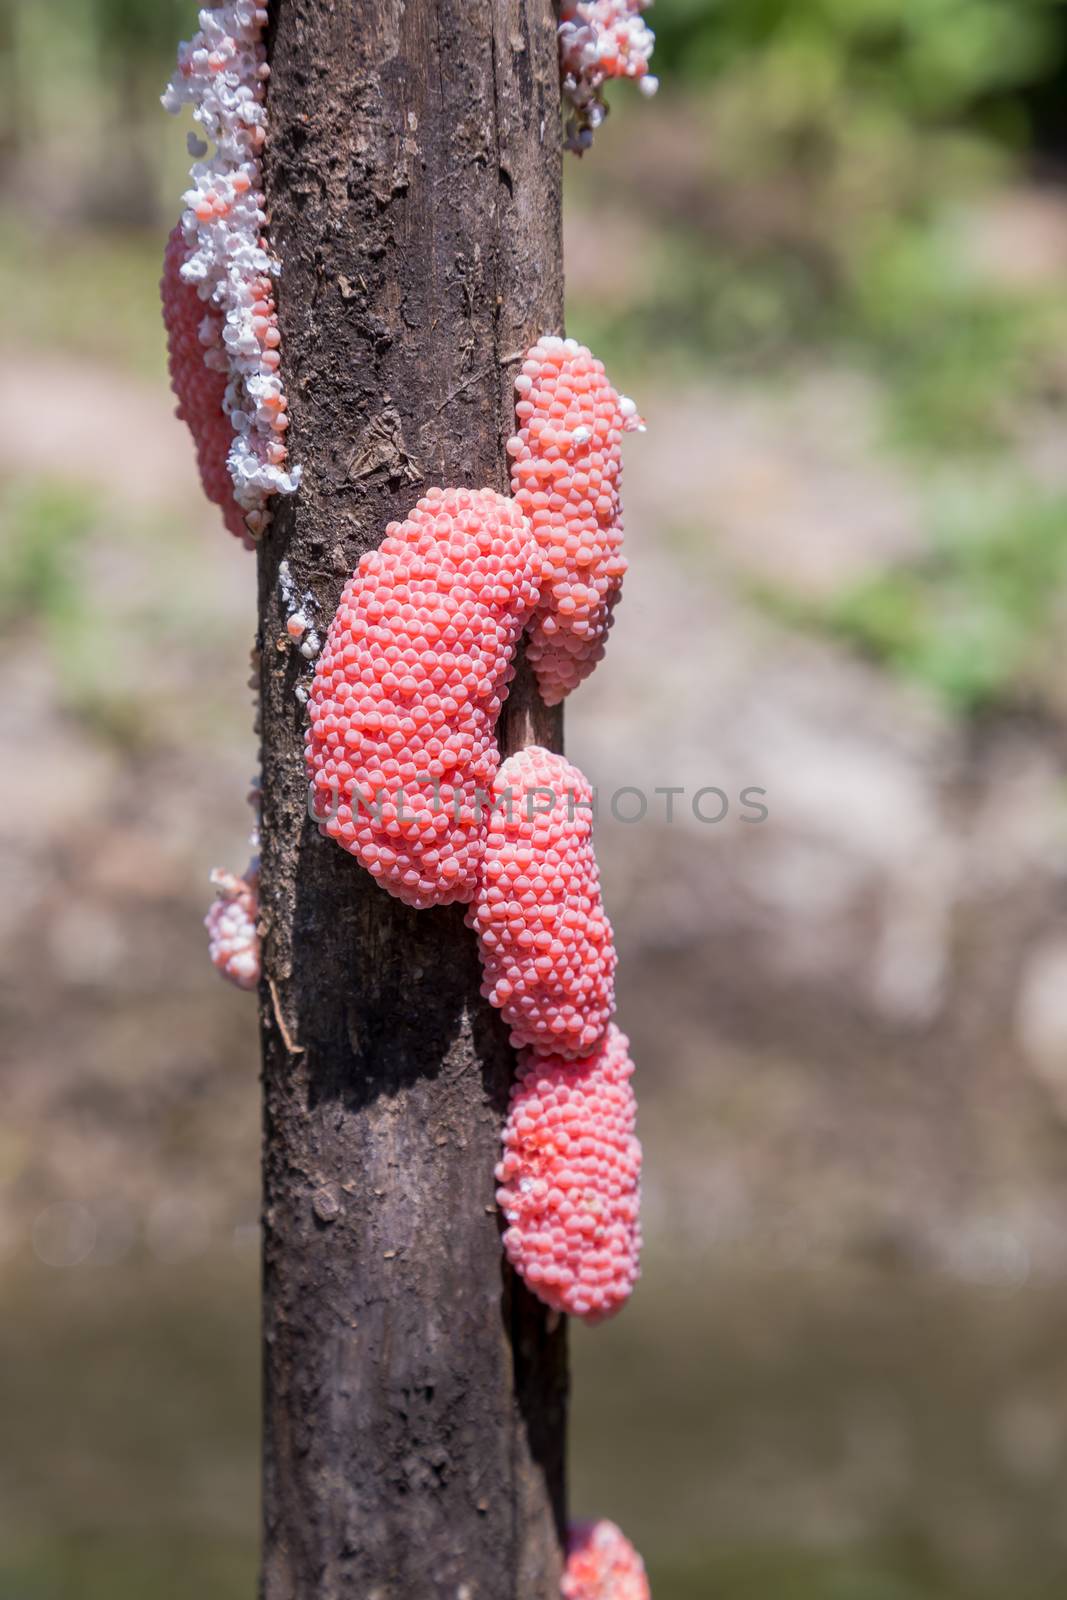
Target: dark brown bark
[(415, 1393)]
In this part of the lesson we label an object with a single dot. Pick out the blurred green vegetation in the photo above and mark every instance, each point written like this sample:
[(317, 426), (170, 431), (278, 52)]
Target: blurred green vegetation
[(956, 358), (895, 58), (144, 602), (826, 206), (862, 1574), (91, 1567), (959, 358), (974, 618), (45, 531), (42, 526), (831, 146), (977, 619), (124, 1567)]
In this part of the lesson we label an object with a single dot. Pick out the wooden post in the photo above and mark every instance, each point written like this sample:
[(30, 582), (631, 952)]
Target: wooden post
[(415, 1394)]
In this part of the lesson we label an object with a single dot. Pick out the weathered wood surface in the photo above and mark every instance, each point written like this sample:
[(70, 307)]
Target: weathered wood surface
[(415, 1395)]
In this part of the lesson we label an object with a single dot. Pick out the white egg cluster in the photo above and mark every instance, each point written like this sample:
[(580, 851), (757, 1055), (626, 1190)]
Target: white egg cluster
[(602, 1564), (231, 923), (221, 74), (598, 40)]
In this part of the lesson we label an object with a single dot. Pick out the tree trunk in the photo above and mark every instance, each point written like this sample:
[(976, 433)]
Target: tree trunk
[(415, 1393)]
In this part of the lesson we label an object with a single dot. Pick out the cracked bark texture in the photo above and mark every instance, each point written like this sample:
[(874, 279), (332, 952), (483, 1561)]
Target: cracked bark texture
[(415, 1393)]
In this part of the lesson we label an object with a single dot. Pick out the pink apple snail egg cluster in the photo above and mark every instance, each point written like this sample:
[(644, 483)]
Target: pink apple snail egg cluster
[(598, 40), (566, 469), (193, 339), (547, 949), (569, 1179), (233, 939), (222, 75), (602, 1564), (401, 747)]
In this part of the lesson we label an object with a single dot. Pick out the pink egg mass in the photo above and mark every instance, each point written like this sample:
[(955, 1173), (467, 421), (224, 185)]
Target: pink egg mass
[(566, 467), (569, 1179), (600, 40), (547, 949), (221, 77), (401, 747), (602, 1564), (194, 329), (233, 937)]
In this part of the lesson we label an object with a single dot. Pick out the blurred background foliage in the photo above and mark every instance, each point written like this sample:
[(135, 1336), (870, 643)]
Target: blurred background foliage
[(830, 259), (929, 59)]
